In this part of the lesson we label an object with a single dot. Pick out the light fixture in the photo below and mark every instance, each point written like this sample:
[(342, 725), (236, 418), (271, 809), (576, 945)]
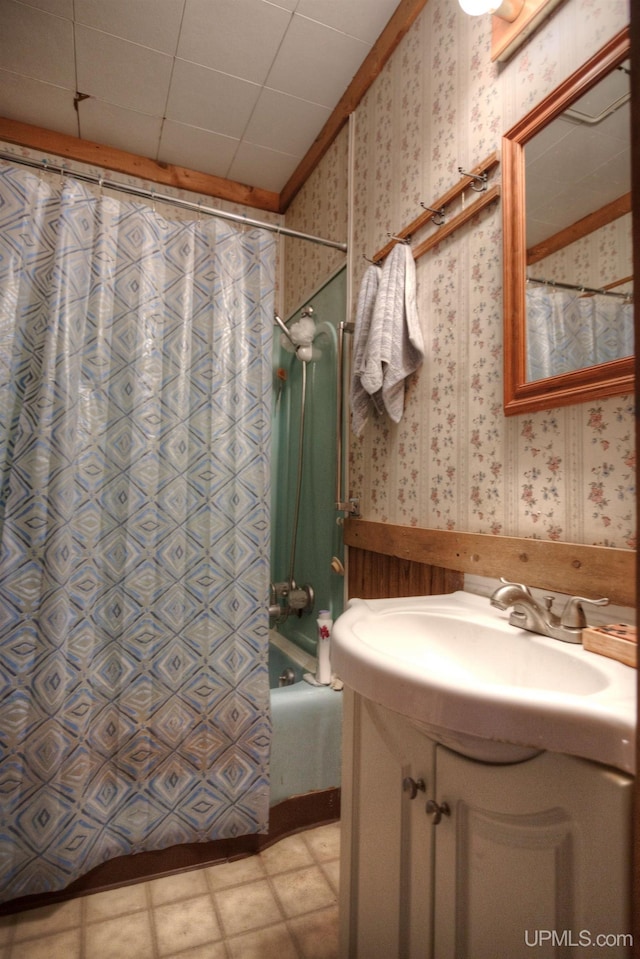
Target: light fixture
[(507, 9)]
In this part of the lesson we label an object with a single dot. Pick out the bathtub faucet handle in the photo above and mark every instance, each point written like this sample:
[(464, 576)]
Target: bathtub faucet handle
[(349, 508)]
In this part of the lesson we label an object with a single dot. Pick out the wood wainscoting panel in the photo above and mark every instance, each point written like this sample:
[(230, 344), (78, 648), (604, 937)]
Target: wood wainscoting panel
[(388, 560), (375, 575)]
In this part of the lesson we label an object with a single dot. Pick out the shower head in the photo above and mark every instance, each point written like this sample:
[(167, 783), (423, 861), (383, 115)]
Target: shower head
[(282, 326), (306, 353), (302, 331), (300, 336)]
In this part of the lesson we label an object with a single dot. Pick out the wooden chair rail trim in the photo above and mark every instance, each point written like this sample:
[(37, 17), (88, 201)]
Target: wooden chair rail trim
[(590, 571), (463, 217), (487, 165)]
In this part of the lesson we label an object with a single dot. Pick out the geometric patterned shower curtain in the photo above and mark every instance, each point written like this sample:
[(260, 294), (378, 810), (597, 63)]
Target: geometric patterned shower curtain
[(568, 331), (135, 381)]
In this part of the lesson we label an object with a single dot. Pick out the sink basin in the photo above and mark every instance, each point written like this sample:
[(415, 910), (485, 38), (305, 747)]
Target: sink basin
[(456, 668)]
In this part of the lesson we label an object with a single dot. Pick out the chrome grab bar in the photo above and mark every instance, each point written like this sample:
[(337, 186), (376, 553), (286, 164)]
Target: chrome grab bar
[(348, 507)]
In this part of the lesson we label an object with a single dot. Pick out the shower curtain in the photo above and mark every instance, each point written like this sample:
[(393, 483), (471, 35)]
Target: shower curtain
[(135, 383), (567, 330)]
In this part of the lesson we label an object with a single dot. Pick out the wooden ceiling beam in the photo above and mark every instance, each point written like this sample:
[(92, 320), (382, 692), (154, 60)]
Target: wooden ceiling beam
[(581, 228), (109, 158)]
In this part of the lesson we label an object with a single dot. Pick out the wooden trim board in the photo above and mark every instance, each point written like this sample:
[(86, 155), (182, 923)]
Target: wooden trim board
[(109, 158), (581, 228), (590, 571), (445, 200)]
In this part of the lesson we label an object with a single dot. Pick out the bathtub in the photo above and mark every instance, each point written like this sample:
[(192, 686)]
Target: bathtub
[(307, 726)]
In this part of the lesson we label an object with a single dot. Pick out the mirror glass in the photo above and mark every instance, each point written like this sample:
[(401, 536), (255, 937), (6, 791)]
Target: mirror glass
[(568, 252)]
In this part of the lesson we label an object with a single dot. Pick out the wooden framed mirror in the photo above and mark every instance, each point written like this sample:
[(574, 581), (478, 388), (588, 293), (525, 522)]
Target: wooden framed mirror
[(556, 162)]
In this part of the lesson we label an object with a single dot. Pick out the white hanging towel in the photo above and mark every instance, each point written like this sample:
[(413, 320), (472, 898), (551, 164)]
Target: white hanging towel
[(395, 347), (359, 398)]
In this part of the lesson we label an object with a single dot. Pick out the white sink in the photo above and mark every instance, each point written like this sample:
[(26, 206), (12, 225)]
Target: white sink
[(454, 666)]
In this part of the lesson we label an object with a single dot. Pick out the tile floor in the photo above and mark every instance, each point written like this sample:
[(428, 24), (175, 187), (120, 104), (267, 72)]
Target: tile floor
[(280, 904)]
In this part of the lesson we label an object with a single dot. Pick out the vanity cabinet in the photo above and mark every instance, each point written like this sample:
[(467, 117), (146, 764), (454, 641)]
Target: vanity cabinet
[(527, 859)]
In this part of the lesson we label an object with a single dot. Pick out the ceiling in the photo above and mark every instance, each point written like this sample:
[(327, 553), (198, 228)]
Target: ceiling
[(235, 88), (581, 161)]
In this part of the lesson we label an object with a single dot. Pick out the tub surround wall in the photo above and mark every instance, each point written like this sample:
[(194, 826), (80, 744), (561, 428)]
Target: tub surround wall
[(455, 462)]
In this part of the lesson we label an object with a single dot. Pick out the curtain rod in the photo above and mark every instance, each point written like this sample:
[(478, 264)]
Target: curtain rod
[(580, 289), (45, 164)]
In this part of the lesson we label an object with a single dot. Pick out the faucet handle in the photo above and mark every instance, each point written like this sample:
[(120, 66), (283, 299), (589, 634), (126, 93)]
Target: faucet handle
[(507, 582), (573, 613)]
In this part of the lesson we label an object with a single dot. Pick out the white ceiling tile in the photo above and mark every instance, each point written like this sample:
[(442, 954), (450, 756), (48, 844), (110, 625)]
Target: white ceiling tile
[(240, 37), (275, 168), (364, 19), (114, 126), (196, 149), (611, 179), (121, 72), (42, 104), (60, 8), (289, 5), (285, 123), (315, 62), (183, 81), (36, 44), (151, 23), (214, 101)]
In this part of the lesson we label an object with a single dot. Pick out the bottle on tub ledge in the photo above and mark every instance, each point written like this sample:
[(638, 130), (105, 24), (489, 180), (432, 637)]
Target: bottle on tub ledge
[(323, 670)]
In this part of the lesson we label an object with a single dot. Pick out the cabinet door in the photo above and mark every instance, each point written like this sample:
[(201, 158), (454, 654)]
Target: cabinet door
[(385, 886), (532, 855)]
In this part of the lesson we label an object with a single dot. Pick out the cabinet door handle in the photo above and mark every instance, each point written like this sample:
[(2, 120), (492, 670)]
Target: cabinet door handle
[(437, 811), (412, 786)]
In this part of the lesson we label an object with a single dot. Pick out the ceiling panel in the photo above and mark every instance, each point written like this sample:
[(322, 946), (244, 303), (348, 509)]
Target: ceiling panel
[(210, 100), (240, 37), (285, 123), (236, 88), (363, 19), (157, 27), (316, 62), (275, 167), (121, 72), (36, 44), (196, 149), (123, 129), (41, 104)]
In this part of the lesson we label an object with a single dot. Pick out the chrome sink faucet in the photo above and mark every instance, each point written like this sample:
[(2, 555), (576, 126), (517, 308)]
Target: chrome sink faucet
[(527, 613)]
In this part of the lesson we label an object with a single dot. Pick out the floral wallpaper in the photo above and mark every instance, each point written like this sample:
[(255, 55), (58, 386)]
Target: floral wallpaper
[(324, 213), (455, 461)]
